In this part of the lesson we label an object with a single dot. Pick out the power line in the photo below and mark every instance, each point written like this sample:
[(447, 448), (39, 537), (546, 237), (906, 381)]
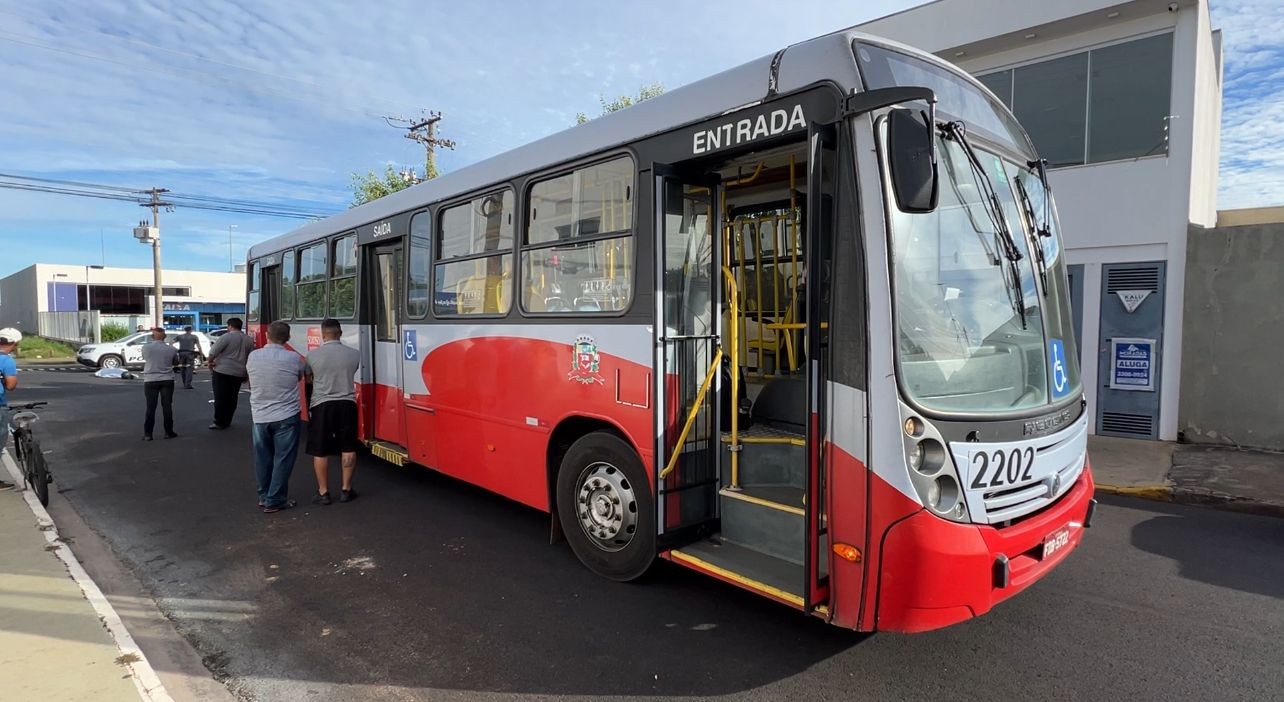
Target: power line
[(139, 196)]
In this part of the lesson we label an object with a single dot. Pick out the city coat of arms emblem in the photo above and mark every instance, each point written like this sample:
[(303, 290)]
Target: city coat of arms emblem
[(585, 362)]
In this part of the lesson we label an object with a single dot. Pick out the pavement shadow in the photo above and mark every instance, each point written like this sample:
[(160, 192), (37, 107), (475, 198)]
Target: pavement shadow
[(1231, 550)]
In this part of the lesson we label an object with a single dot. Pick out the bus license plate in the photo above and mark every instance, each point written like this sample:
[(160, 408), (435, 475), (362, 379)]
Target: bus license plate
[(1056, 541)]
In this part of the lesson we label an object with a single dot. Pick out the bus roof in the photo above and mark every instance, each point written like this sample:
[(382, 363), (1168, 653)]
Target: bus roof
[(800, 65)]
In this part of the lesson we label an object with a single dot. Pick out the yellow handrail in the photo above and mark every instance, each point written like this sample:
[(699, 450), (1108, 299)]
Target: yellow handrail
[(691, 416), (733, 294)]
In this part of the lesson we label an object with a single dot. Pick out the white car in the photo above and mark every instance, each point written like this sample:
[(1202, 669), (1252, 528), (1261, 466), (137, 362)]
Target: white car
[(128, 352)]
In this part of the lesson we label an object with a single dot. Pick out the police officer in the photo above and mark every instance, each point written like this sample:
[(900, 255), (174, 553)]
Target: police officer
[(188, 344)]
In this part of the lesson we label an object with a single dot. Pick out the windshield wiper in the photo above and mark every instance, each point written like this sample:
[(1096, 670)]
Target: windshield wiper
[(1039, 228), (958, 132)]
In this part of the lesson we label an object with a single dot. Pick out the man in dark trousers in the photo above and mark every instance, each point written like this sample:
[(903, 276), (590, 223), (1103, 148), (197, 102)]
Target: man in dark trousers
[(188, 345), (158, 382), (275, 372), (227, 363), (332, 419)]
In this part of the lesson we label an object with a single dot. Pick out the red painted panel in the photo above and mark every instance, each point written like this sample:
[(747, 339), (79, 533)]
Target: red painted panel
[(497, 399), (388, 424), (935, 572), (847, 480)]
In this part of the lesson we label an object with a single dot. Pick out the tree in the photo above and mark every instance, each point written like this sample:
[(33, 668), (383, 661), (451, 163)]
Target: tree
[(370, 186), (646, 92)]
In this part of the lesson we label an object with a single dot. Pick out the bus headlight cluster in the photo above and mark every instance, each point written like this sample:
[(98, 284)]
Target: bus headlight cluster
[(932, 471)]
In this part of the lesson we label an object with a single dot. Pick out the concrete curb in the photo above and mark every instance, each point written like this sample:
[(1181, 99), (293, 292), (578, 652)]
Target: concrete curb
[(1204, 498), (1159, 493), (145, 679)]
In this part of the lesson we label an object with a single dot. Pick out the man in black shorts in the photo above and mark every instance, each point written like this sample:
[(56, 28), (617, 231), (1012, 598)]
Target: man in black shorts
[(332, 421)]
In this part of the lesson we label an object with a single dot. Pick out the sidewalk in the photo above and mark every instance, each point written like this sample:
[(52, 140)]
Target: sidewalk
[(1220, 476), (54, 643)]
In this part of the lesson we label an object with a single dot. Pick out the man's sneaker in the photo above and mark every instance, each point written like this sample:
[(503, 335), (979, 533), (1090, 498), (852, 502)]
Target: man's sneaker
[(322, 498), (5, 486), (347, 495)]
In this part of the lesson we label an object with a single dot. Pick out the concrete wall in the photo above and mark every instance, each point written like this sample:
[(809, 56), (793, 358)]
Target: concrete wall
[(19, 301), (1233, 355)]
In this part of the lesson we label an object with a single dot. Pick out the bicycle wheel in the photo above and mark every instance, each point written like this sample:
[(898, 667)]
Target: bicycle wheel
[(40, 476)]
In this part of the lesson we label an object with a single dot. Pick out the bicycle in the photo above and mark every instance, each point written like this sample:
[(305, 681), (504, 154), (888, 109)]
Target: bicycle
[(35, 471)]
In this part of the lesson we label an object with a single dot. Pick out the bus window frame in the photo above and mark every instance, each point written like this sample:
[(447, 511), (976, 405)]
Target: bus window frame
[(255, 271), (324, 281), (533, 179), (331, 247), (294, 265), (430, 214), (438, 211)]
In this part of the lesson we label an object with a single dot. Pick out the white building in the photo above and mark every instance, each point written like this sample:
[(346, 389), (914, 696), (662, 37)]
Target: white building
[(124, 295), (1124, 101)]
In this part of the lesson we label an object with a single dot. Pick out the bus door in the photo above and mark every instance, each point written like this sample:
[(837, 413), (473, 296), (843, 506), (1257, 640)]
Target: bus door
[(271, 292), (383, 283), (822, 180), (688, 276)]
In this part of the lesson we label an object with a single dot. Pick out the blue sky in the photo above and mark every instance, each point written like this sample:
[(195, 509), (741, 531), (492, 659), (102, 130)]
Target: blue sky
[(281, 102)]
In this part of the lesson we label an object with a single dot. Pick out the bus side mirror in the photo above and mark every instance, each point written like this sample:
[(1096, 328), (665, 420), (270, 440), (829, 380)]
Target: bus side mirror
[(911, 147)]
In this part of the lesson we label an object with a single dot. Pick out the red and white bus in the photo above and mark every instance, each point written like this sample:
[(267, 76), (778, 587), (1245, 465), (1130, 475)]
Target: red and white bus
[(802, 326)]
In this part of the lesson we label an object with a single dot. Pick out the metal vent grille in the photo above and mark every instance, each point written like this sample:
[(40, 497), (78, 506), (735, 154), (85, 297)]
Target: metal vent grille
[(1128, 424), (1132, 279)]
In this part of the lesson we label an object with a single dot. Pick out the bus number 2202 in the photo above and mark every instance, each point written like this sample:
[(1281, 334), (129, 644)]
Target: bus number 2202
[(1010, 467)]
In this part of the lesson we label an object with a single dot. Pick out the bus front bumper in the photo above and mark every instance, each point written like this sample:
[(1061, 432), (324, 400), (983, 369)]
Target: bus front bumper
[(936, 572)]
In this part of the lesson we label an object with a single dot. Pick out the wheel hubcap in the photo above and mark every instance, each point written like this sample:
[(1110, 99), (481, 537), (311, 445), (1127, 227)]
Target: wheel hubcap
[(607, 506)]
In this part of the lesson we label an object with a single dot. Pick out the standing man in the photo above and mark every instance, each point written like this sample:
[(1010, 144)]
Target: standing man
[(187, 346), (227, 366), (274, 373), (332, 421), (9, 338), (158, 382)]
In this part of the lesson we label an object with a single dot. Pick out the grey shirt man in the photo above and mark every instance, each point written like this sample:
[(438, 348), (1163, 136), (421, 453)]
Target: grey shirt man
[(158, 361), (230, 353), (187, 342), (274, 372), (333, 367)]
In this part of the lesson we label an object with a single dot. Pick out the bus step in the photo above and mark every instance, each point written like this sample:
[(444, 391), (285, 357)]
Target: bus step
[(766, 518), (389, 452), (750, 569)]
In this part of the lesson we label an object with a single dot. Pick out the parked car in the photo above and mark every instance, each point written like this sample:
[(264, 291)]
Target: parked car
[(216, 333), (128, 352)]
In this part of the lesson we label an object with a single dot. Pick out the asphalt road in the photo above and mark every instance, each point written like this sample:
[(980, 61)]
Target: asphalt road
[(425, 588)]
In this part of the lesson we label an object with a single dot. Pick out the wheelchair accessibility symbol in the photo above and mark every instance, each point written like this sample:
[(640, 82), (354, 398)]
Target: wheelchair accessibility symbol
[(1057, 361), (410, 348)]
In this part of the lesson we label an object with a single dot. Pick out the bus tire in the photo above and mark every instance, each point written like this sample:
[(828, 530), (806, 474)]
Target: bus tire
[(605, 508)]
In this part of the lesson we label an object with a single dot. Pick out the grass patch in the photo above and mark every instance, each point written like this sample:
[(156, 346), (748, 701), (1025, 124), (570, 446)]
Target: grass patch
[(35, 347)]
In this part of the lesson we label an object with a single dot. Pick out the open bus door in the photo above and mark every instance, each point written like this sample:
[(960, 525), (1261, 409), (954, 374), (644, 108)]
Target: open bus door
[(688, 276), (382, 281), (822, 179)]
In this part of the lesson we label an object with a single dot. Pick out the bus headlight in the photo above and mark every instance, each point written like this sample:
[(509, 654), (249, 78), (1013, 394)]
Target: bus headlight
[(927, 456)]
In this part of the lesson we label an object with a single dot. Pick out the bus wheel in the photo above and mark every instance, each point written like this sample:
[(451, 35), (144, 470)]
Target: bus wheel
[(604, 504)]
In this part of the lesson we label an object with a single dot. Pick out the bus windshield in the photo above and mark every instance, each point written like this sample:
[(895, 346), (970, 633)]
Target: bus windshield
[(981, 299)]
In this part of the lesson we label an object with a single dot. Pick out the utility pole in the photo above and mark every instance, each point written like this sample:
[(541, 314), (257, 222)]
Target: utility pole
[(151, 235), (424, 131), (231, 263)]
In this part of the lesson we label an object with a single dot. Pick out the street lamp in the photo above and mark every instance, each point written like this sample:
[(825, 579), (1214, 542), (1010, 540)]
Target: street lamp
[(231, 263)]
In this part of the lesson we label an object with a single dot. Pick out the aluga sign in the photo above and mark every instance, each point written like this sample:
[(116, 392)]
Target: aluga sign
[(802, 327)]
